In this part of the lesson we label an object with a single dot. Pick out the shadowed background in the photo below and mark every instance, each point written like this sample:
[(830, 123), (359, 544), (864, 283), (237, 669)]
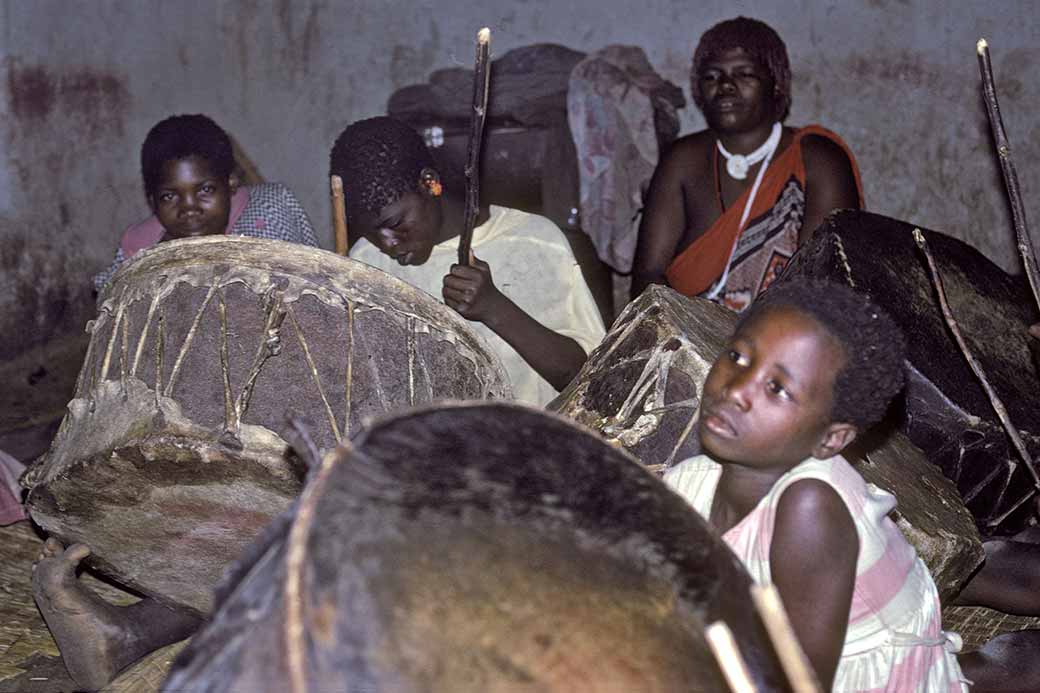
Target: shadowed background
[(83, 82)]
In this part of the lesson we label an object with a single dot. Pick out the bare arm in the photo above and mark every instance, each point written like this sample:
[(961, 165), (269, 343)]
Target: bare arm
[(813, 564), (471, 291), (662, 225), (829, 182)]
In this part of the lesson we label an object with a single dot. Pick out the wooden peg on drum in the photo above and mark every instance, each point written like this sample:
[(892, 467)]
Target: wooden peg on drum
[(339, 214), (727, 656), (792, 657)]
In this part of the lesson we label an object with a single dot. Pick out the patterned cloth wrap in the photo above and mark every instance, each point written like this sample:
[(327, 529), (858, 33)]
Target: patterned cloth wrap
[(11, 509), (765, 243)]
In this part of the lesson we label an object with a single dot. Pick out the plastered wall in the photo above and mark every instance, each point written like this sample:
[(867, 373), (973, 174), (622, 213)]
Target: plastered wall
[(82, 82)]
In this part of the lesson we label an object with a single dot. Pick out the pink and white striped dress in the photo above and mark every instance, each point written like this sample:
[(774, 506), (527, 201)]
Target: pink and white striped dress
[(894, 640)]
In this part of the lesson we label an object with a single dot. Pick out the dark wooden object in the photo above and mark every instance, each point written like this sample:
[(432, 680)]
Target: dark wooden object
[(173, 454), (481, 82), (479, 547), (945, 411)]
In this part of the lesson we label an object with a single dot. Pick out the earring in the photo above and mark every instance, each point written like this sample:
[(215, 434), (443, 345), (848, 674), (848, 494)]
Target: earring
[(430, 182)]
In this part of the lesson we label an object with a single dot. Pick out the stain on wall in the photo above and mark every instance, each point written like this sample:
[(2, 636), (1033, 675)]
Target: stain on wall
[(82, 83)]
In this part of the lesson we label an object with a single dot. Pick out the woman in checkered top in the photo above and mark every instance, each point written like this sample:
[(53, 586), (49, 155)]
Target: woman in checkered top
[(190, 182)]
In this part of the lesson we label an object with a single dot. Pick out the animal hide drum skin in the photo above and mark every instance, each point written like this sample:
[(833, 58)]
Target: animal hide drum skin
[(172, 456)]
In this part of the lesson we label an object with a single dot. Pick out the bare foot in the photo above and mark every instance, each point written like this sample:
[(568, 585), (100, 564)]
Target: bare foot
[(88, 629)]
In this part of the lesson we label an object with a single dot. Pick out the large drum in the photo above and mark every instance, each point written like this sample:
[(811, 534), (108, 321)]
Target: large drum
[(947, 413), (479, 547), (206, 356)]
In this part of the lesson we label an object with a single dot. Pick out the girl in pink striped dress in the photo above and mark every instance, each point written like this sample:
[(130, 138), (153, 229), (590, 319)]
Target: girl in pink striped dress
[(809, 367)]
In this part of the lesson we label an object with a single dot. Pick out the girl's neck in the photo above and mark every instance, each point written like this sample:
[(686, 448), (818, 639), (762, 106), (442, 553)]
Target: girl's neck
[(738, 493)]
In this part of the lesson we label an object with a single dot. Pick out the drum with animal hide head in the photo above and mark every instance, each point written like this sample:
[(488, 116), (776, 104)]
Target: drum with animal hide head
[(205, 352), (479, 547)]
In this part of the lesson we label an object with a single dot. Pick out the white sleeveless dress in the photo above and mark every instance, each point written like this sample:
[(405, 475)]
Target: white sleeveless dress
[(894, 640)]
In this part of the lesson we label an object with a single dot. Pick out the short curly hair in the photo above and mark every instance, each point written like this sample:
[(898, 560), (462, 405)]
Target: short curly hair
[(180, 137), (379, 159), (875, 349), (760, 41)]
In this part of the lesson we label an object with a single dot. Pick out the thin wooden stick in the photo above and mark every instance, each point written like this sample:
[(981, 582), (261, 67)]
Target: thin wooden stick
[(724, 647), (998, 406), (481, 82), (1007, 167), (250, 173), (339, 214), (796, 665)]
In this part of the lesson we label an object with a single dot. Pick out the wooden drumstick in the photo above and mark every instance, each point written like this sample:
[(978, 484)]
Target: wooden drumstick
[(481, 83), (976, 367), (1007, 168), (724, 647), (339, 214), (796, 665)]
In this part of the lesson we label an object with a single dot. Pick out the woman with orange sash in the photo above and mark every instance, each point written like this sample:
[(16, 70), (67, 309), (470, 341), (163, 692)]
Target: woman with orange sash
[(728, 206)]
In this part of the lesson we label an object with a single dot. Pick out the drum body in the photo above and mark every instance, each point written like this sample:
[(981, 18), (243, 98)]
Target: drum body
[(205, 357), (946, 412), (479, 547)]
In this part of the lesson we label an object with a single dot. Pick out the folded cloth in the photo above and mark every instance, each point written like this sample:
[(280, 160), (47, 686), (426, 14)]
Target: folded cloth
[(11, 508)]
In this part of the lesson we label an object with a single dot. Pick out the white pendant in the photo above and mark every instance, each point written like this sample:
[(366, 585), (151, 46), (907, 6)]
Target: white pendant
[(737, 166)]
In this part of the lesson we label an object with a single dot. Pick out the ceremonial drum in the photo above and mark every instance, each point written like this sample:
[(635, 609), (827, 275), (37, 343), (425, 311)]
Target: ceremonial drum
[(207, 355), (946, 412), (479, 547)]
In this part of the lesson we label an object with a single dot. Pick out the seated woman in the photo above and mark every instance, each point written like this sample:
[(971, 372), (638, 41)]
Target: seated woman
[(523, 291), (189, 180), (728, 206)]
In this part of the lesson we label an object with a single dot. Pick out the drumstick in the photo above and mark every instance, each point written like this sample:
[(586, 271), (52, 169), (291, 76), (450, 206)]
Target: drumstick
[(1007, 167), (792, 657), (339, 214), (481, 82), (976, 367), (724, 647)]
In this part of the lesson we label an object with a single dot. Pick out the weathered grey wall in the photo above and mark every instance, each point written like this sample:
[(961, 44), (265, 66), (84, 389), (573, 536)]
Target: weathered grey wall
[(83, 82)]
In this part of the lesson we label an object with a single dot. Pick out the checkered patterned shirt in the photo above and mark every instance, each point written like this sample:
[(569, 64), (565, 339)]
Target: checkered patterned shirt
[(272, 212)]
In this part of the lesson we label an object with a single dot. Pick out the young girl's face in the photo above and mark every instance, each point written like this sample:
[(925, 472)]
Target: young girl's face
[(191, 199), (768, 397)]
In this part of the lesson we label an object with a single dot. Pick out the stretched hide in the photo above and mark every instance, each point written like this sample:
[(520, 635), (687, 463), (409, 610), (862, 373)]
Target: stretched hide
[(479, 547), (172, 456), (641, 388), (947, 413)]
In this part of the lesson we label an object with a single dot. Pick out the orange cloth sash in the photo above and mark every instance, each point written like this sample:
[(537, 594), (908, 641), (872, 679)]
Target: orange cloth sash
[(694, 270)]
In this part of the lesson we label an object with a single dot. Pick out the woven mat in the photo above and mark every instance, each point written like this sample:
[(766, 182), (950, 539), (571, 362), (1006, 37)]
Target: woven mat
[(29, 658), (977, 625)]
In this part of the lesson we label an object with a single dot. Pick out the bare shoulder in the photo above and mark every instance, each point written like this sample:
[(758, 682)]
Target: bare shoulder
[(815, 503), (823, 154), (688, 154)]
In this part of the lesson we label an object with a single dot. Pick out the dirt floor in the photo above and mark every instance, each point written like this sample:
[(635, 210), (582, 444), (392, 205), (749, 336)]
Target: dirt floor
[(37, 387)]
